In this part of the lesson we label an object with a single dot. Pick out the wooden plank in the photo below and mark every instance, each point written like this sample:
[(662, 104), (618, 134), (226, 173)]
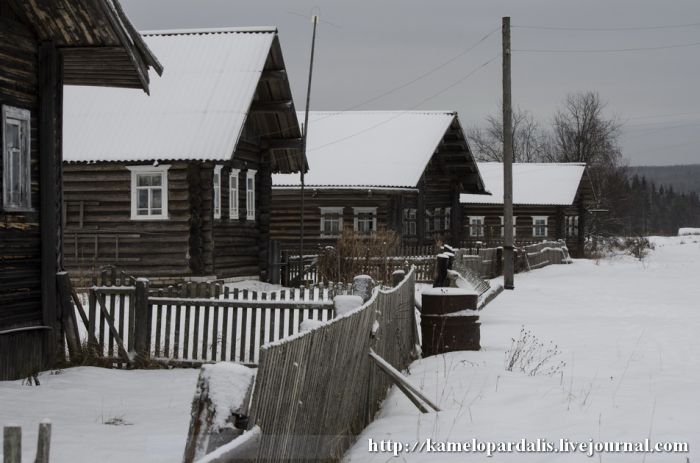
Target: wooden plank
[(113, 331)]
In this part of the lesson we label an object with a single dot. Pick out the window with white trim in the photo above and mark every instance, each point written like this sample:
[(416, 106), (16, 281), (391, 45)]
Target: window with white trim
[(217, 191), (572, 226), (409, 221), (502, 227), (428, 221), (515, 220), (515, 225), (331, 221), (476, 226), (448, 218), (233, 193), (250, 194), (16, 159), (437, 219), (365, 219), (149, 192), (539, 226)]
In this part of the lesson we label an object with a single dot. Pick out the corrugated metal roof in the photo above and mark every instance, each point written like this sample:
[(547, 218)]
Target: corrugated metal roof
[(196, 109), (359, 149), (533, 183)]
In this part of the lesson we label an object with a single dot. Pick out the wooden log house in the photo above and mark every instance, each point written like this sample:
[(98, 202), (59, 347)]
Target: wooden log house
[(549, 203), (45, 45), (178, 185), (373, 170)]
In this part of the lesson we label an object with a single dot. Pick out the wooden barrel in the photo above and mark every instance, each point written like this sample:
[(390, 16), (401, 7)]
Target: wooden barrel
[(446, 333), (442, 301)]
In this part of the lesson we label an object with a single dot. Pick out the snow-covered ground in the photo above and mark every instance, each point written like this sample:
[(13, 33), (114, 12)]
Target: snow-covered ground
[(627, 331), (629, 334), (104, 416)]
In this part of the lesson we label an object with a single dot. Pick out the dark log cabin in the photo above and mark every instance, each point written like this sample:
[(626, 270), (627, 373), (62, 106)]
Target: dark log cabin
[(178, 185), (44, 45), (373, 170), (549, 203)]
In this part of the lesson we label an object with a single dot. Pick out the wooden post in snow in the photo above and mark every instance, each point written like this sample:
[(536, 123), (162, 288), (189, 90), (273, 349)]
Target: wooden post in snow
[(43, 442), (12, 444), (508, 268), (142, 330)]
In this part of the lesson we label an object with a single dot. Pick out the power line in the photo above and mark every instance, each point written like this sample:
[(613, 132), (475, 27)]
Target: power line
[(664, 115), (606, 50), (603, 29), (401, 113)]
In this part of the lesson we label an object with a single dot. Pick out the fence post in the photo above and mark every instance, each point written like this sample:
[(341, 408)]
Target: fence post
[(43, 442), (12, 444), (142, 315), (70, 325)]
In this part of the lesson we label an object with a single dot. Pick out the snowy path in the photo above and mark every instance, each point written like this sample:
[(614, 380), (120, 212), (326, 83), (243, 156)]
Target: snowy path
[(629, 333)]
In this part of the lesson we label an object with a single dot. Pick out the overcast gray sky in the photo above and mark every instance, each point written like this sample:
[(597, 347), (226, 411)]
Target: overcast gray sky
[(367, 47)]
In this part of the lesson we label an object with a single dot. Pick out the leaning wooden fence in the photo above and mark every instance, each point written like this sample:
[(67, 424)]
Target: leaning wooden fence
[(315, 392)]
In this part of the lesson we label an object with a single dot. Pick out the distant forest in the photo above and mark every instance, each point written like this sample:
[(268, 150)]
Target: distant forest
[(640, 206), (682, 178)]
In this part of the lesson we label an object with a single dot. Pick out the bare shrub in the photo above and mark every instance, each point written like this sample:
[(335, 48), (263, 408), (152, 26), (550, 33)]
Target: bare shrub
[(355, 254), (531, 356)]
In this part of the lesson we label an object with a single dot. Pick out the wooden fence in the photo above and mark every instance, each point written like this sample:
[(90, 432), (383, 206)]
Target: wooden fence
[(315, 392), (199, 322)]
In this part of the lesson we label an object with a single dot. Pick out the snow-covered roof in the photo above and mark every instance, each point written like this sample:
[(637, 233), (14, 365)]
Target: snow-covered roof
[(533, 183), (196, 109), (356, 149)]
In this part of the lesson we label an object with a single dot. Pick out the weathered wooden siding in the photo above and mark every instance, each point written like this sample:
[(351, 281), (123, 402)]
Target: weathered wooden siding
[(237, 243), (22, 353), (286, 207), (99, 230), (20, 241)]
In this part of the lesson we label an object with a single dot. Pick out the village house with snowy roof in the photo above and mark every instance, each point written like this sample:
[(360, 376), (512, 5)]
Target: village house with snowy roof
[(45, 45), (549, 203), (178, 185), (373, 170)]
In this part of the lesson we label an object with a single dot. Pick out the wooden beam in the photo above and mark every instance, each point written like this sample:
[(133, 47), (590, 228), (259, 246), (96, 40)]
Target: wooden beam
[(273, 107), (273, 74), (50, 96), (281, 144)]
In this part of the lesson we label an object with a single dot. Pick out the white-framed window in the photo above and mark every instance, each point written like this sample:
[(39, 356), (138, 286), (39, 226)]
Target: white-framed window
[(476, 226), (233, 193), (437, 219), (572, 226), (448, 218), (217, 191), (539, 226), (428, 221), (331, 221), (149, 192), (16, 159), (409, 221), (250, 194), (365, 219), (515, 225)]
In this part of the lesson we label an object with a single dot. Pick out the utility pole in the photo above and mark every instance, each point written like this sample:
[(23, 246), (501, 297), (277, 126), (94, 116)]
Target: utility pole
[(305, 131), (508, 263)]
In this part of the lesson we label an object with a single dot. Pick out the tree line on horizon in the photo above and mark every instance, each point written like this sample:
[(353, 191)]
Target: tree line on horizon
[(628, 203)]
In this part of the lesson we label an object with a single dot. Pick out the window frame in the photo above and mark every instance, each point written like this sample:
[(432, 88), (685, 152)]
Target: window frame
[(544, 227), (572, 226), (476, 230), (216, 186), (410, 219), (331, 210), (447, 219), (250, 195), (356, 211), (137, 171), (233, 196), (22, 117)]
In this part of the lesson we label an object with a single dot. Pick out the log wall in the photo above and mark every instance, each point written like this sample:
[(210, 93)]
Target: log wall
[(20, 238)]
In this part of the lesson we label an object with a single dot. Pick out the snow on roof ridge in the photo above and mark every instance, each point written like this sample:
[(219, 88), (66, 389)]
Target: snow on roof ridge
[(385, 111), (210, 30)]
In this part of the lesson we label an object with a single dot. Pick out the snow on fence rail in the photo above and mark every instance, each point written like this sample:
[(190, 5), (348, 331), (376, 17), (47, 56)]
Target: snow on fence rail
[(316, 391)]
